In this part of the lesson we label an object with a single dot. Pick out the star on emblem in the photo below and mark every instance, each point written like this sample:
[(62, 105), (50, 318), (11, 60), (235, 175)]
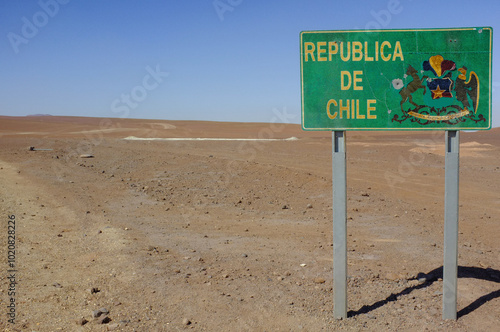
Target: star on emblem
[(438, 93)]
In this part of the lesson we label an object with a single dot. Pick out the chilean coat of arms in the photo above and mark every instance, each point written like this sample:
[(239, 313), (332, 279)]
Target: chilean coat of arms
[(439, 92)]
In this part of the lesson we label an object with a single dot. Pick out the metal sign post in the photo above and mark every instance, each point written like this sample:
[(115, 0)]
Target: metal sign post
[(450, 264), (339, 224)]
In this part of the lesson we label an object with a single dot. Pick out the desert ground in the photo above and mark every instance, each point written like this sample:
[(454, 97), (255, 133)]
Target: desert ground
[(236, 235)]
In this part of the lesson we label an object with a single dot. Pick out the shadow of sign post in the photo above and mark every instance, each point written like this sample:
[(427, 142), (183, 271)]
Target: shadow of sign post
[(432, 276)]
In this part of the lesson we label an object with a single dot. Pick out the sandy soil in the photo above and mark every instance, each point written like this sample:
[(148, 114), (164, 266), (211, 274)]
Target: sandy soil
[(237, 235)]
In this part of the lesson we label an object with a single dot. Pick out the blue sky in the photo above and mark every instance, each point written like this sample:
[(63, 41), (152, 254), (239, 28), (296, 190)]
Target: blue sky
[(222, 60)]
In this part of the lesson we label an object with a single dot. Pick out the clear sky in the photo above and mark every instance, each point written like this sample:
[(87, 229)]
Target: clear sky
[(220, 60)]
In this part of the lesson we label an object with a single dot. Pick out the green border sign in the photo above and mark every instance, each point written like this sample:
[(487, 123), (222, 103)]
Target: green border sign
[(418, 79)]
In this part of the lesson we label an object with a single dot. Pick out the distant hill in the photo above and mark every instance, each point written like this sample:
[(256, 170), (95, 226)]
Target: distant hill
[(39, 115)]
